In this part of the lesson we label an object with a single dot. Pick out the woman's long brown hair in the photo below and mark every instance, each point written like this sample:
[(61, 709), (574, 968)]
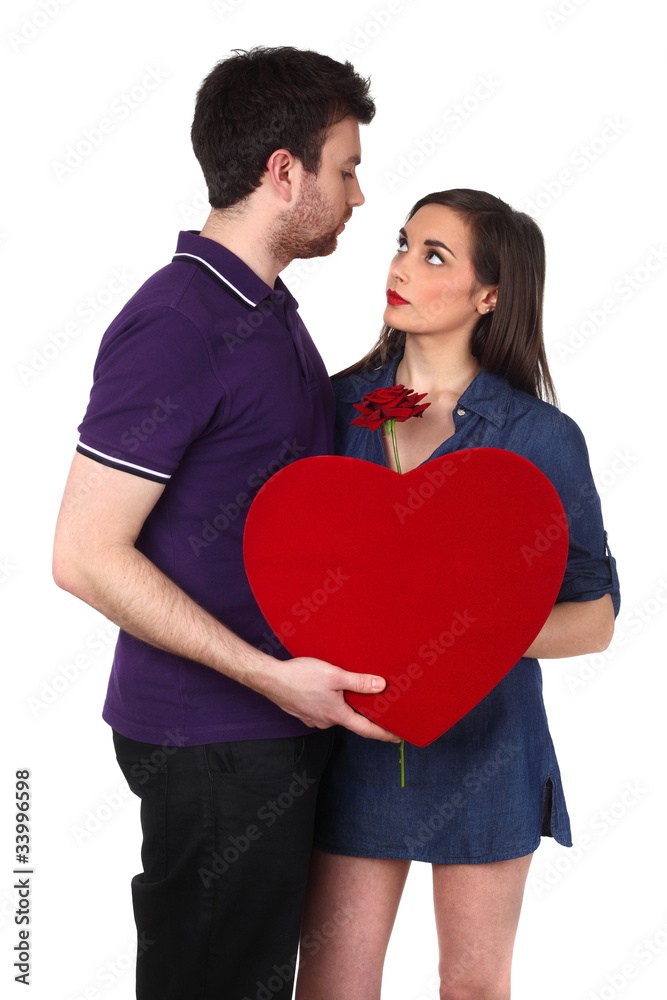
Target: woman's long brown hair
[(507, 251)]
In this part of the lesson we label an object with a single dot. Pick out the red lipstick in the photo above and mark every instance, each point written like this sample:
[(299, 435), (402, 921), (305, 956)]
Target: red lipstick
[(394, 299)]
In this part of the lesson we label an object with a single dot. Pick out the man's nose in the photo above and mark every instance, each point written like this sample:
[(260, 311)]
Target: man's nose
[(356, 197)]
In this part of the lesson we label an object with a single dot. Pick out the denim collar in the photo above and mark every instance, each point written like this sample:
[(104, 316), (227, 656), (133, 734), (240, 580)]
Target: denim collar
[(488, 395)]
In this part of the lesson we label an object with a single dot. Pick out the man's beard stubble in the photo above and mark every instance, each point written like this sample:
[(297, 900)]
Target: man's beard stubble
[(308, 230)]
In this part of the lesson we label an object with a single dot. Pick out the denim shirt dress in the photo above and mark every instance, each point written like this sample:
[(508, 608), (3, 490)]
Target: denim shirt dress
[(490, 787)]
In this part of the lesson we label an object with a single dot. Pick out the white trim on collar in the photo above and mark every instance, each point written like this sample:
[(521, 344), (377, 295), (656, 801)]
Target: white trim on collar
[(183, 253)]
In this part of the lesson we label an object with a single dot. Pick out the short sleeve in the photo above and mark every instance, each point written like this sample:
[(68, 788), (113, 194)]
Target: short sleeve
[(591, 569), (154, 392)]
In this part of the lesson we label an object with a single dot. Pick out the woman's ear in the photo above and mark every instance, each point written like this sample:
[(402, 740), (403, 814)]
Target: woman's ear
[(487, 302)]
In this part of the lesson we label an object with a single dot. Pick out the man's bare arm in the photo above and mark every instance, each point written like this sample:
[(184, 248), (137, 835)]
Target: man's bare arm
[(95, 559)]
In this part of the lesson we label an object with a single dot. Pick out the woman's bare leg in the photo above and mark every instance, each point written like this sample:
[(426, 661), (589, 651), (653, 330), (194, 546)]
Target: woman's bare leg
[(477, 911), (350, 909)]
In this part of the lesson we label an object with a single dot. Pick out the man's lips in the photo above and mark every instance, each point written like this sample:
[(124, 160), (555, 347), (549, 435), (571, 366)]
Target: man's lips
[(394, 299), (342, 225)]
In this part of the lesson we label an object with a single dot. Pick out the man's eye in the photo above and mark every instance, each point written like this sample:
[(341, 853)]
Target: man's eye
[(346, 174)]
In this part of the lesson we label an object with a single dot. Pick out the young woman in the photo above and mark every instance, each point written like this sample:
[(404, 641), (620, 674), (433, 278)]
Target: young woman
[(463, 323)]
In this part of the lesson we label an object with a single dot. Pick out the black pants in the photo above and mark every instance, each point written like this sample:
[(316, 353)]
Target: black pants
[(227, 834)]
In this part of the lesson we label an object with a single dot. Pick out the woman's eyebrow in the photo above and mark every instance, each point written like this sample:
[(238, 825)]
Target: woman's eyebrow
[(432, 243)]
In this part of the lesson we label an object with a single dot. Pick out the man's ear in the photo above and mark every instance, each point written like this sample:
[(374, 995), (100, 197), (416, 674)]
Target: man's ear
[(284, 174)]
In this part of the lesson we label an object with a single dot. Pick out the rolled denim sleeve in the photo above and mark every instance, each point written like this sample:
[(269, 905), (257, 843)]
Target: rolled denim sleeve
[(591, 568)]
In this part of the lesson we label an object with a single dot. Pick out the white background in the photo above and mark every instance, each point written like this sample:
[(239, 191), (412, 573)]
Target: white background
[(554, 81)]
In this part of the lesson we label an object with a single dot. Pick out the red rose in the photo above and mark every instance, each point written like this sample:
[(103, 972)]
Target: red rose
[(393, 403)]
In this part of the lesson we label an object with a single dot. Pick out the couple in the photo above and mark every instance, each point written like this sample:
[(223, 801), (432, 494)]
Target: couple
[(206, 383)]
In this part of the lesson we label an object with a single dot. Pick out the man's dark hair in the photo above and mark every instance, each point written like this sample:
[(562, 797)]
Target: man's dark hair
[(266, 99)]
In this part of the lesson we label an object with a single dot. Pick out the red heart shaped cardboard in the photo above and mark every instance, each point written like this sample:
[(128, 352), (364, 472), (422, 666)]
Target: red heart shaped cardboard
[(437, 580)]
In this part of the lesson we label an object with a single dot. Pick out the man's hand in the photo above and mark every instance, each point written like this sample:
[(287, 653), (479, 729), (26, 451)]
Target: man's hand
[(101, 516), (312, 690)]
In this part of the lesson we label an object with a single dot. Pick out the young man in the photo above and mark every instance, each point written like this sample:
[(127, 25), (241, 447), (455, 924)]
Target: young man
[(206, 383)]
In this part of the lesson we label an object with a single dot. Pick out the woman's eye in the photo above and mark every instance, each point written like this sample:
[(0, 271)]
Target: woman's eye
[(346, 174), (402, 244), (437, 256)]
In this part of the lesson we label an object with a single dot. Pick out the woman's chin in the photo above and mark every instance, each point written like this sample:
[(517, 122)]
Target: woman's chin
[(392, 317)]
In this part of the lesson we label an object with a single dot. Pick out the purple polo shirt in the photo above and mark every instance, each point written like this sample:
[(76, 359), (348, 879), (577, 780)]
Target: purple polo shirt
[(206, 381)]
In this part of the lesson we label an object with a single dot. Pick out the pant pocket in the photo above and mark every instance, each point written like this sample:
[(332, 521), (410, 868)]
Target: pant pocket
[(256, 758)]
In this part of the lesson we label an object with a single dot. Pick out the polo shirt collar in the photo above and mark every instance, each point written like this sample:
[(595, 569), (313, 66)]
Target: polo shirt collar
[(488, 395), (228, 270)]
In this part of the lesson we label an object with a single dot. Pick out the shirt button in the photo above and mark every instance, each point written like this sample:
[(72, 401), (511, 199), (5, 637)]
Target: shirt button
[(461, 412)]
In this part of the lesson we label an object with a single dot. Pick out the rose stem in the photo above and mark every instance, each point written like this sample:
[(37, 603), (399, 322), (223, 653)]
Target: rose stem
[(392, 428)]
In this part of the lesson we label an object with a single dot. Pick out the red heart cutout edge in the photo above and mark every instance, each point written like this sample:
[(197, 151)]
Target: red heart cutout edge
[(438, 579)]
